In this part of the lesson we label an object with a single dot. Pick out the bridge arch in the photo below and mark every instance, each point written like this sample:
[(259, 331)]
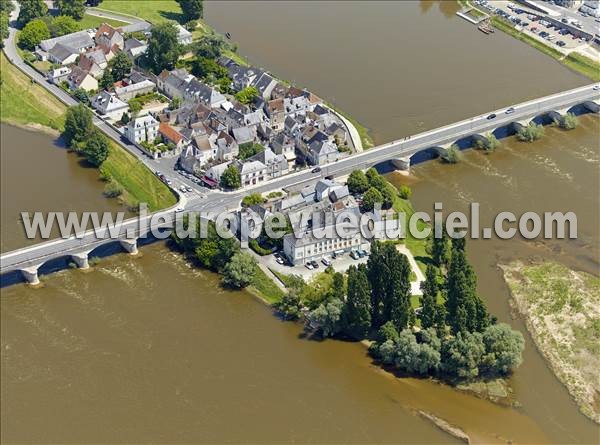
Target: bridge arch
[(427, 154)]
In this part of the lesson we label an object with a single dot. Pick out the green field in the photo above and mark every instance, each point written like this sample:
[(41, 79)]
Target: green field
[(264, 288), (91, 21), (27, 104), (154, 11)]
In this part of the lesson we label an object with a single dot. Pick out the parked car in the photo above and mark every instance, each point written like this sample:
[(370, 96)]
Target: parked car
[(354, 255), (279, 259), (326, 261), (491, 116), (361, 253), (561, 43), (314, 264), (316, 170), (309, 266), (182, 189), (188, 189)]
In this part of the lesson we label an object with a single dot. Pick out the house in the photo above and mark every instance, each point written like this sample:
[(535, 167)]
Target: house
[(242, 76), (108, 36), (196, 91), (183, 35), (108, 104), (81, 79), (214, 173), (134, 48), (243, 135), (265, 85), (94, 62), (77, 42), (251, 172), (135, 89), (191, 159), (227, 147), (322, 152), (276, 113), (171, 82), (142, 129), (284, 145), (62, 55), (58, 75), (171, 136), (276, 165)]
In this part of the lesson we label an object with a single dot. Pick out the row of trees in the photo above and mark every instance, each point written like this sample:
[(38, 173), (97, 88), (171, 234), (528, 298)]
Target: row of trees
[(456, 337), (6, 7), (218, 254), (82, 136)]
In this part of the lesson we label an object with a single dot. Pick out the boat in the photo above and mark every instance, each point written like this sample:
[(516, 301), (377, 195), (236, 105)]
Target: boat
[(486, 28), (228, 35)]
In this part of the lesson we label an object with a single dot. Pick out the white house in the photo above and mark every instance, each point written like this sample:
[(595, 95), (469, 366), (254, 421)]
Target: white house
[(142, 129), (109, 105), (183, 35), (130, 91)]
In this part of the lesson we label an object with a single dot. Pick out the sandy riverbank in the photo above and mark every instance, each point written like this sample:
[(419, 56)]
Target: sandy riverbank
[(561, 308)]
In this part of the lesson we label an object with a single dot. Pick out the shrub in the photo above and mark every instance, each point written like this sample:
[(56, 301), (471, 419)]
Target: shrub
[(530, 133), (113, 190)]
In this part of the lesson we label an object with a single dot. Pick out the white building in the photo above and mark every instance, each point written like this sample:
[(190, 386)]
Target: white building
[(109, 105), (183, 35), (142, 129), (130, 91)]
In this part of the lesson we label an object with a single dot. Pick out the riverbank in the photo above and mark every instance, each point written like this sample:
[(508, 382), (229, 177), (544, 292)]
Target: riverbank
[(574, 61), (28, 105), (561, 308)]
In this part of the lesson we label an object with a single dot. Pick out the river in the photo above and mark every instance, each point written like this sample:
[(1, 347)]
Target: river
[(147, 349)]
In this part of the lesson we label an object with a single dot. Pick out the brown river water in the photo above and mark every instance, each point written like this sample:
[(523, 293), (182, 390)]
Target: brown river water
[(146, 349)]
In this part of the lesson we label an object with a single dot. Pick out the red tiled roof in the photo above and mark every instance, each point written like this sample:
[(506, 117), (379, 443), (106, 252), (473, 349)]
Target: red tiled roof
[(170, 133)]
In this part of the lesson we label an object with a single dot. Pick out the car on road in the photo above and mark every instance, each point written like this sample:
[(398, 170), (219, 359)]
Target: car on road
[(510, 110), (326, 261), (179, 209), (491, 116), (316, 170), (596, 87), (309, 266), (182, 189), (188, 189)]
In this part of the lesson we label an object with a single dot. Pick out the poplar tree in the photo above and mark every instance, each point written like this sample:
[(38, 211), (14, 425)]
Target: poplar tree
[(429, 298), (357, 315)]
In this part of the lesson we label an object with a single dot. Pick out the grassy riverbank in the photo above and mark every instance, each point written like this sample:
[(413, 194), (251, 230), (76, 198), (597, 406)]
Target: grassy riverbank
[(576, 62), (28, 105), (562, 310)]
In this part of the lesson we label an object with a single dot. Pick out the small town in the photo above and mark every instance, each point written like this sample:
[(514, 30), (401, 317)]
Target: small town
[(299, 222)]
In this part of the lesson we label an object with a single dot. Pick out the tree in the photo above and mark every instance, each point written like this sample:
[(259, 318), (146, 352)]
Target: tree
[(453, 155), (503, 349), (192, 9), (206, 68), (439, 247), (357, 182), (326, 317), (4, 33), (231, 178), (290, 306), (175, 103), (389, 277), (465, 310), (462, 355), (33, 33), (125, 118), (210, 46), (107, 80), (413, 357), (62, 25), (247, 95), (370, 198), (338, 288), (6, 6), (31, 9), (163, 47), (568, 121), (96, 148), (249, 149), (429, 299), (489, 142), (357, 312), (252, 199), (530, 133), (240, 271), (404, 192), (72, 8), (120, 66), (78, 125)]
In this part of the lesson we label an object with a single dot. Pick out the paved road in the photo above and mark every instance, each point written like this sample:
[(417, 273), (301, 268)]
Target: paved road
[(219, 201)]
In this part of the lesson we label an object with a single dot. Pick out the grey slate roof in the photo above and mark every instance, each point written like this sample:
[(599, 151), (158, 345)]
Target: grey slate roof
[(76, 41)]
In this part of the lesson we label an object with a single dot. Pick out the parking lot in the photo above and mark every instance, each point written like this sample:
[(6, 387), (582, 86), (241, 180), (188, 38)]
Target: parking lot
[(533, 24)]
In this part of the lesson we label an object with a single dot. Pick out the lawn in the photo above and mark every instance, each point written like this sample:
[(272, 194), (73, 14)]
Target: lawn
[(154, 11), (32, 106), (141, 184), (263, 287), (91, 21)]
